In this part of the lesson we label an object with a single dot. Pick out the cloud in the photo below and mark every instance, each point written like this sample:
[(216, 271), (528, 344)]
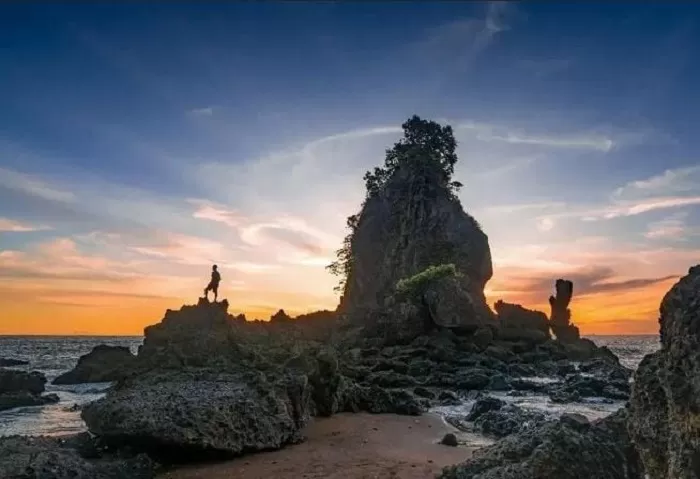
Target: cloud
[(545, 223), (494, 133), (211, 211), (8, 225), (459, 42), (521, 207), (672, 182), (673, 228), (200, 112), (32, 186), (633, 208)]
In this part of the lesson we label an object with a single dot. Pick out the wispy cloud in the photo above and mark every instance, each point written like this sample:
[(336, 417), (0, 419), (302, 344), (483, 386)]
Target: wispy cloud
[(673, 228), (672, 182), (201, 112), (30, 185), (489, 133), (8, 225), (458, 43), (208, 210)]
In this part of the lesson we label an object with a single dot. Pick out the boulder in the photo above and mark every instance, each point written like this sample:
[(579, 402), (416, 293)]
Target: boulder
[(197, 413), (21, 388), (449, 305), (565, 449), (665, 399), (449, 439), (9, 362), (102, 364), (518, 323), (58, 458)]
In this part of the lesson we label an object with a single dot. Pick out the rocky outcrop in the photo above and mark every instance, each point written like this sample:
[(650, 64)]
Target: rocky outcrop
[(518, 323), (21, 388), (102, 364), (192, 413), (9, 362), (570, 448), (665, 401), (66, 458), (200, 388), (560, 318), (412, 220)]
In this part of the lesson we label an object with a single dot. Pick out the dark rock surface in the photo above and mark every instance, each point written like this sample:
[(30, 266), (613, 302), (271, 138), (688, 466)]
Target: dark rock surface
[(665, 401), (199, 391), (66, 458), (564, 449), (560, 317), (102, 364), (9, 362), (21, 388), (518, 323), (199, 414)]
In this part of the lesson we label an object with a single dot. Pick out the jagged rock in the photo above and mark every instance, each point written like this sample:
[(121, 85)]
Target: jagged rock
[(58, 458), (375, 399), (449, 305), (412, 220), (560, 317), (204, 335), (518, 323), (193, 413), (484, 405), (21, 388), (280, 316), (202, 387), (665, 401), (102, 364), (505, 420), (9, 362), (483, 337), (556, 449)]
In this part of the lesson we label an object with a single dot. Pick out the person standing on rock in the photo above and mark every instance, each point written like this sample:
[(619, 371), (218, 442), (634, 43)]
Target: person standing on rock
[(213, 284)]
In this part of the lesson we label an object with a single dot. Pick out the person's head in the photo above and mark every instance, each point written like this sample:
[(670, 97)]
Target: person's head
[(214, 267)]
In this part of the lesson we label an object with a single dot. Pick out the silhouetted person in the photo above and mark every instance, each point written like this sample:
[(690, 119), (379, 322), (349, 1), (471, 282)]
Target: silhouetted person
[(213, 284)]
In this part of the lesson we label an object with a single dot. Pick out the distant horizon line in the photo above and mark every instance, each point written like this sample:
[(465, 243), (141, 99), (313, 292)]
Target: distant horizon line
[(141, 335)]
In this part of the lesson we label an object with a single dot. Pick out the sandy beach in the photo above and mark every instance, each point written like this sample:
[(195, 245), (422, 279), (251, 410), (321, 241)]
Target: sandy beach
[(347, 446)]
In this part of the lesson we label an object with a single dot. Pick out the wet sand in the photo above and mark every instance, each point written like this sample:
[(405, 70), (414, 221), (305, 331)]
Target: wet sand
[(347, 446)]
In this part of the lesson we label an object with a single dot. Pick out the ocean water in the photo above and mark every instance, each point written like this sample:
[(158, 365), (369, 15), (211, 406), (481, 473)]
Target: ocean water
[(55, 355)]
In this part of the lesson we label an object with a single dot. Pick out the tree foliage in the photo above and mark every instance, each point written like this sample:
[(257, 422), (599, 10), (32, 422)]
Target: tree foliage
[(417, 284), (425, 144)]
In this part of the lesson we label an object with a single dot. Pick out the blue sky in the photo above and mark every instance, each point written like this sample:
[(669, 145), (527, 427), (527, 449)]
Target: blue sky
[(140, 143)]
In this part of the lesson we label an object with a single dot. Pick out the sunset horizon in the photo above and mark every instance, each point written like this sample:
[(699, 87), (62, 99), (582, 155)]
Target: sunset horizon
[(140, 146)]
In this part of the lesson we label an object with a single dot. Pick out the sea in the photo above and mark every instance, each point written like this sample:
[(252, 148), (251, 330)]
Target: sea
[(53, 355)]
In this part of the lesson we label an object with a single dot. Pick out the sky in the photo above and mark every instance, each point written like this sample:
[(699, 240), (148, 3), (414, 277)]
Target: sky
[(140, 143)]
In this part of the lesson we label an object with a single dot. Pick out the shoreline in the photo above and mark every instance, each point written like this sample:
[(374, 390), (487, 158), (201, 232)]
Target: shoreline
[(347, 446)]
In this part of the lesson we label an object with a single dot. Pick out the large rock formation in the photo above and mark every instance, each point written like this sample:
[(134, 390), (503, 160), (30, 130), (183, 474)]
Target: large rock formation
[(570, 448), (199, 413), (102, 364), (412, 220), (560, 318), (21, 388), (66, 458), (665, 402), (198, 388), (518, 323)]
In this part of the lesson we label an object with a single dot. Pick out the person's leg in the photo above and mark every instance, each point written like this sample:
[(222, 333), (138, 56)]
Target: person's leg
[(216, 292)]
